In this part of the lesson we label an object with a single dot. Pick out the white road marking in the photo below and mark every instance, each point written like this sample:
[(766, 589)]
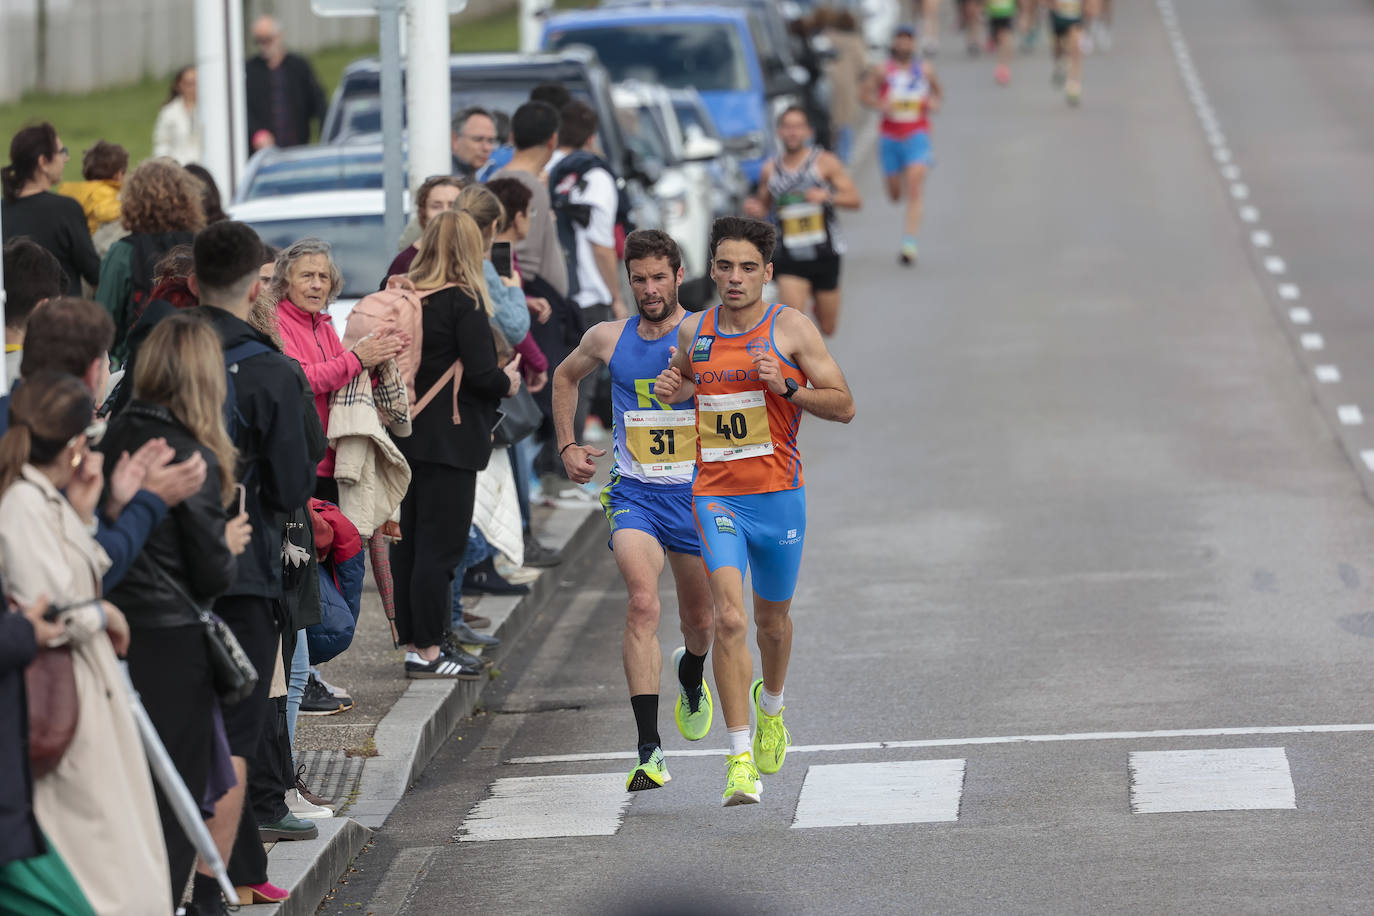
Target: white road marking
[(533, 807), (1249, 214), (1230, 172), (1327, 374), (1288, 291), (1275, 264), (897, 792), (1261, 238), (1367, 456), (1222, 155), (1350, 415), (1239, 191), (1228, 779), (966, 742), (1312, 342), (1300, 315)]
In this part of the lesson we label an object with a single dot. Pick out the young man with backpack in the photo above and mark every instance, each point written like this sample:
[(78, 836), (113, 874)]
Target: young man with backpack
[(268, 413), (586, 207)]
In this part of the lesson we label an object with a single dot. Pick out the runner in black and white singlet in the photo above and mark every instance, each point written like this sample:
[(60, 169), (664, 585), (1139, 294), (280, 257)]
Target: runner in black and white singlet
[(799, 191)]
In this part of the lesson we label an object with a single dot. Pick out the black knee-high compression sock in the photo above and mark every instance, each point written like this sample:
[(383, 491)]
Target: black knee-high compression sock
[(690, 669), (645, 706)]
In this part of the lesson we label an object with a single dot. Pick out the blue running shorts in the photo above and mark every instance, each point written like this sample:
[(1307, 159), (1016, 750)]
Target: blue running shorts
[(761, 532), (897, 154), (664, 511)]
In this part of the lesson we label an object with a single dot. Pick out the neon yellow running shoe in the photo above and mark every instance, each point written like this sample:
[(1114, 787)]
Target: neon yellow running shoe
[(651, 774), (693, 721), (771, 737), (742, 785)]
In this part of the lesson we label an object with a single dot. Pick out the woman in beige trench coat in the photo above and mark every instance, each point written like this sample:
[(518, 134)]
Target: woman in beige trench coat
[(97, 807)]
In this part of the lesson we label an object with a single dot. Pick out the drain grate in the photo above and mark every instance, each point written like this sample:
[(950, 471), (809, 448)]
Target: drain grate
[(332, 774)]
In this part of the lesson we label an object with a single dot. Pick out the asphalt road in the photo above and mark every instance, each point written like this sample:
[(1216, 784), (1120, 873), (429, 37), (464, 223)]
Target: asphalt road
[(1094, 549)]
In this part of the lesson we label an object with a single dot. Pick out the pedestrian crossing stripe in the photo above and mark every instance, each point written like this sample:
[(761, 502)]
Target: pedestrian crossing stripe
[(889, 792), (866, 794), (1230, 779)]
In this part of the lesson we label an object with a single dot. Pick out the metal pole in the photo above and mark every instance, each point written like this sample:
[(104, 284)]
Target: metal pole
[(393, 168), (4, 357), (238, 97), (531, 12), (214, 108), (427, 91)]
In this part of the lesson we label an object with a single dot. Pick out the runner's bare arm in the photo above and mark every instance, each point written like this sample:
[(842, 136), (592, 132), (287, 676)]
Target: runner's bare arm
[(937, 92), (828, 397), (674, 384), (843, 191), (595, 348)]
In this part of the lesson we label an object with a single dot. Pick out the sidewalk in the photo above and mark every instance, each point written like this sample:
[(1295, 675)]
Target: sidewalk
[(365, 759)]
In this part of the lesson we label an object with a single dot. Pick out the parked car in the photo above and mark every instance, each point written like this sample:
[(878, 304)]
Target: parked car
[(500, 82), (729, 186), (707, 48), (350, 221), (684, 188), (274, 171)]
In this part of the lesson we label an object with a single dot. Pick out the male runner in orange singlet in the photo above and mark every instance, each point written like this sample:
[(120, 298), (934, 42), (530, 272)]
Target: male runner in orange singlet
[(753, 368)]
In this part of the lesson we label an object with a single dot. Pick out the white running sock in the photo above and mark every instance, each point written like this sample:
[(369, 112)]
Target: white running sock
[(739, 740), (770, 703)]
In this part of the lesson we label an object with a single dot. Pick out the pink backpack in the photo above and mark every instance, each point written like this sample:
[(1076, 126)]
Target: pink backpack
[(397, 306)]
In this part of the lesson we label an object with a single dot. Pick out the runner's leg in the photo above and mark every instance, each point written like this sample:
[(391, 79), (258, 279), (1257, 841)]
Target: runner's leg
[(914, 178), (794, 291), (773, 624), (695, 608), (828, 311), (730, 660), (640, 559)]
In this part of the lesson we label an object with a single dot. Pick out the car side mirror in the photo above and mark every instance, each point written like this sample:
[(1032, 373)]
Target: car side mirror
[(700, 148)]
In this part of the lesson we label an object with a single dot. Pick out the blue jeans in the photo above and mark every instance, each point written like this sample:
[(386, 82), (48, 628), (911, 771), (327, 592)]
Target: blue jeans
[(844, 143), (295, 685), (478, 550), (522, 466)]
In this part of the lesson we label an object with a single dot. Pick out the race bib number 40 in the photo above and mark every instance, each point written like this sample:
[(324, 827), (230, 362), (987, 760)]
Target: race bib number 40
[(663, 443), (803, 225), (733, 426)]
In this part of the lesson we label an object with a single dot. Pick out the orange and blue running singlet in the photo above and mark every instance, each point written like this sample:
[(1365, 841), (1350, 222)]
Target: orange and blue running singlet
[(749, 497)]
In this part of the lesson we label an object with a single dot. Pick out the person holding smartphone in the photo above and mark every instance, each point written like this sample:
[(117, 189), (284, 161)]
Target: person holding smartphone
[(189, 560)]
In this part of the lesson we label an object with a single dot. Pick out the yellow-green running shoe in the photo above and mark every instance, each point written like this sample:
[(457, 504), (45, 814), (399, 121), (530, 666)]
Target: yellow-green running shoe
[(771, 737), (693, 723), (742, 785), (651, 774)]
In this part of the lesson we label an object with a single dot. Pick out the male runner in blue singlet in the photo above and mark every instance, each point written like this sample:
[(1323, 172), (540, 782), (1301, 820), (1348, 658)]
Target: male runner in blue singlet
[(649, 499)]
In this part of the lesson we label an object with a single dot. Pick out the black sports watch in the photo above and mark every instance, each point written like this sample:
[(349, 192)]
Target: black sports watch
[(792, 387)]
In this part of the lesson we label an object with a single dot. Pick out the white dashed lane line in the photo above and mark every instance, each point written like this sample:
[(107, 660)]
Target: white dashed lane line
[(1274, 265)]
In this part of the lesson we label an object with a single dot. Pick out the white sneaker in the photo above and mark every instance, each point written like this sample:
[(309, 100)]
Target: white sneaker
[(304, 809), (516, 575)]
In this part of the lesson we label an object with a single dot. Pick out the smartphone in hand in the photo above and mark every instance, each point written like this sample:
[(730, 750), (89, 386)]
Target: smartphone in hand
[(243, 498), (500, 258)]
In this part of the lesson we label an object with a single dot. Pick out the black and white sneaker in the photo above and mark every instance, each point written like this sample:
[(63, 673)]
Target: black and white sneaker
[(454, 650), (442, 667), (537, 556)]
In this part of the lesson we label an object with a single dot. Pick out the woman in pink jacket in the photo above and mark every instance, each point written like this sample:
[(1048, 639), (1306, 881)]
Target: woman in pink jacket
[(305, 281)]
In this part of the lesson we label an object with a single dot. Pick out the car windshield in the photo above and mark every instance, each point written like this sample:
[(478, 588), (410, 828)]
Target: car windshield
[(302, 176), (706, 56), (362, 112), (643, 134), (357, 241), (689, 115)]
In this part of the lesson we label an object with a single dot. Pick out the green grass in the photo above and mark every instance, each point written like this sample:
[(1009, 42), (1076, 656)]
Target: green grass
[(125, 114)]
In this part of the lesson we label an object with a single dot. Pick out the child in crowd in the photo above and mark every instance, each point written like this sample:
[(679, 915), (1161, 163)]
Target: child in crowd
[(102, 168)]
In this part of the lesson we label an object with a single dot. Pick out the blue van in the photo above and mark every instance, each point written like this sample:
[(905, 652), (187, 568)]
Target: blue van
[(708, 49)]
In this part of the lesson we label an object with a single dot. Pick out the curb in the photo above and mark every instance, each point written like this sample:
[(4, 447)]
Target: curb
[(407, 738)]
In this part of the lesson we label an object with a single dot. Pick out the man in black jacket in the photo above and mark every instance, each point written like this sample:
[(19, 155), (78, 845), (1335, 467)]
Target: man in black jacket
[(282, 93), (278, 472)]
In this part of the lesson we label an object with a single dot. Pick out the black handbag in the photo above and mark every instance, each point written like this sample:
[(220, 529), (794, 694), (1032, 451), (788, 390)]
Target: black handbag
[(232, 671), (520, 416)]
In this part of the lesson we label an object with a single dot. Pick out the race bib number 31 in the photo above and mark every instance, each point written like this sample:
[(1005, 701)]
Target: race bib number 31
[(662, 443), (733, 426)]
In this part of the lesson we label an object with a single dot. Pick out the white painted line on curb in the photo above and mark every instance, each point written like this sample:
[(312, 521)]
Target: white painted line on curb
[(1228, 779), (897, 792), (533, 807), (966, 742), (1350, 415), (1300, 315), (1289, 292), (1249, 214), (1312, 342), (1328, 374), (1261, 238), (1275, 264)]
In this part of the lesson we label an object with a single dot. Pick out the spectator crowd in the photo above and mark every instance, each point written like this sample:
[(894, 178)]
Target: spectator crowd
[(197, 467)]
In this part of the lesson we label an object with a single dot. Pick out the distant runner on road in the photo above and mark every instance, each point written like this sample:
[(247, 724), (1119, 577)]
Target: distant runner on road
[(649, 499), (753, 369), (799, 190), (906, 91), (1066, 22)]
